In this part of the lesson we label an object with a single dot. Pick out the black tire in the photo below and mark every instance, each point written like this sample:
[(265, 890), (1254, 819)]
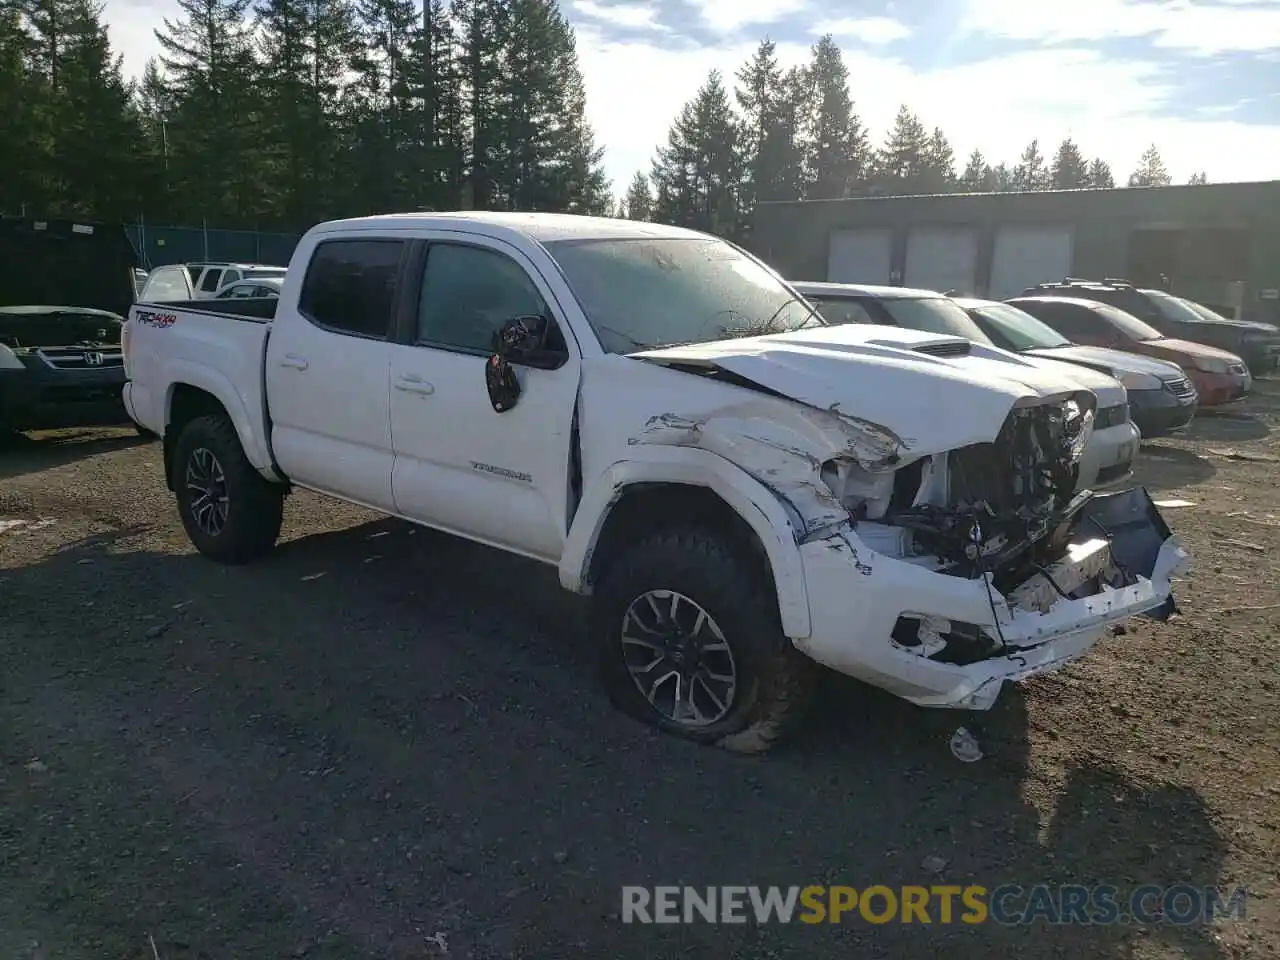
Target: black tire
[(775, 682), (254, 505)]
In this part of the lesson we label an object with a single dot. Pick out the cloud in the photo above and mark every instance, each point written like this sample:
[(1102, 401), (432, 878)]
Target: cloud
[(1200, 28), (871, 30), (1112, 108), (634, 15), (729, 16)]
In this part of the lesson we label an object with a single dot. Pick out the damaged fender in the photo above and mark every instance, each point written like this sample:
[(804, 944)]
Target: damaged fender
[(776, 526)]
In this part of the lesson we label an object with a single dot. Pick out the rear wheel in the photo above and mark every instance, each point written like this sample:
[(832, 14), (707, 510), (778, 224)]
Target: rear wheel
[(691, 643), (230, 512)]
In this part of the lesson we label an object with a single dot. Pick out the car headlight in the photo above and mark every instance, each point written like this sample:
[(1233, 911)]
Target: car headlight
[(1077, 429), (1211, 365), (1133, 380)]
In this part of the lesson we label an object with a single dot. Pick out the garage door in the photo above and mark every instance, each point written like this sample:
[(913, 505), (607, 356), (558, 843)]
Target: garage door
[(942, 258), (859, 256), (1025, 256)]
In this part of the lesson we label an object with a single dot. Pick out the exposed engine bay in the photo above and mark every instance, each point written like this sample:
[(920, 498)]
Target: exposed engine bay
[(1010, 509), (983, 507)]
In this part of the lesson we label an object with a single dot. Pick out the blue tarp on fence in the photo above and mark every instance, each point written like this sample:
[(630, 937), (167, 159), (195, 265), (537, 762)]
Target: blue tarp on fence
[(157, 246)]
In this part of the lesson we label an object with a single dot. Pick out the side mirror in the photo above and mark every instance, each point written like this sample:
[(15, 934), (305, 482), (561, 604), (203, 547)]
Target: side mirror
[(519, 340)]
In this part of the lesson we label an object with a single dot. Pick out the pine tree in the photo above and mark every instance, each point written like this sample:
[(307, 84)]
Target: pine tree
[(639, 201), (215, 154), (1151, 170), (760, 96), (306, 46), (1198, 179), (978, 177), (837, 154), (902, 161), (1002, 179), (1100, 177), (1070, 170), (23, 153), (1031, 172), (697, 174), (939, 164), (796, 110)]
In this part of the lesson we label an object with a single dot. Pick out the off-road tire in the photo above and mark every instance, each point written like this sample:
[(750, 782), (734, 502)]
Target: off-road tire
[(255, 505), (776, 682)]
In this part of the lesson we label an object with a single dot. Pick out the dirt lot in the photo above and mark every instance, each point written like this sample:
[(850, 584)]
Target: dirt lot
[(384, 743)]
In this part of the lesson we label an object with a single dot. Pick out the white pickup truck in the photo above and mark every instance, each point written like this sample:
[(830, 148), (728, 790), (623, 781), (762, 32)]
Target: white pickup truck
[(742, 489)]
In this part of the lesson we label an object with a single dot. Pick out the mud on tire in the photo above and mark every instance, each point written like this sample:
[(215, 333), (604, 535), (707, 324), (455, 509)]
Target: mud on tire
[(774, 681), (208, 457)]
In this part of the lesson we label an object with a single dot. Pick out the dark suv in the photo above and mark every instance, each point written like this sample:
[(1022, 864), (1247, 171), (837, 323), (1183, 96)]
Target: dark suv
[(1258, 344)]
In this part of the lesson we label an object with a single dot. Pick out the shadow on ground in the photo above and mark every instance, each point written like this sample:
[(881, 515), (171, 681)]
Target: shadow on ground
[(22, 453), (382, 739), (1163, 467)]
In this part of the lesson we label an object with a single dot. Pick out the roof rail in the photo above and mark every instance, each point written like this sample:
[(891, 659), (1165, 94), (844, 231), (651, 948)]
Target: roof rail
[(1116, 282), (1070, 280)]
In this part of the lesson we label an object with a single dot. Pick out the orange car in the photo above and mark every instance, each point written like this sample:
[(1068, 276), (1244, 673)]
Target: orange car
[(1219, 377)]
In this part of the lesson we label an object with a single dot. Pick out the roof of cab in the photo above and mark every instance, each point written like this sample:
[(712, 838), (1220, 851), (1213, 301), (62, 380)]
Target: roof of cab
[(861, 290), (539, 227)]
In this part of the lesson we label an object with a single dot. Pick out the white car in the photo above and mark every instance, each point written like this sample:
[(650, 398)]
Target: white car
[(175, 282), (1113, 444), (742, 489), (249, 289)]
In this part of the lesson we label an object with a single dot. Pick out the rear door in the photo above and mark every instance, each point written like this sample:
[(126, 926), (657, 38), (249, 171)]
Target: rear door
[(500, 478), (327, 371)]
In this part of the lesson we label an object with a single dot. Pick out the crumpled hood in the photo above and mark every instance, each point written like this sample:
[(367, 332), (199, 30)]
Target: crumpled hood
[(877, 376), (1112, 359)]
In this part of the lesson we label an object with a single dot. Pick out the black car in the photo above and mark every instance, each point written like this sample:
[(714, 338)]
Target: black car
[(1258, 344), (65, 288)]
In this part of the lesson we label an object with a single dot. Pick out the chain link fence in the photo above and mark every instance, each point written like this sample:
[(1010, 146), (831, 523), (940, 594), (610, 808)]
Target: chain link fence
[(159, 245)]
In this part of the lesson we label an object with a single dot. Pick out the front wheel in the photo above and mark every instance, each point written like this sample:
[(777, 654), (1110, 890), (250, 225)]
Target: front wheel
[(230, 512), (691, 643)]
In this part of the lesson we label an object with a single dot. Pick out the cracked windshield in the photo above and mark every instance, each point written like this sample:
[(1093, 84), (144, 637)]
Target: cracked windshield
[(639, 294)]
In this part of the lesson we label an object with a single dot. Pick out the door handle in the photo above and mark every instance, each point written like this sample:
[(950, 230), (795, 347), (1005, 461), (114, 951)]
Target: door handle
[(412, 383), (294, 361)]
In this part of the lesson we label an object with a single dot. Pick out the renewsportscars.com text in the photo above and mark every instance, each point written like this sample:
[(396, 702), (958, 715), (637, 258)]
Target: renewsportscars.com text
[(1008, 904)]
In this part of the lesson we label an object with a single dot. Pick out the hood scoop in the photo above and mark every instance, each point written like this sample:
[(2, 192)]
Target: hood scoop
[(945, 348)]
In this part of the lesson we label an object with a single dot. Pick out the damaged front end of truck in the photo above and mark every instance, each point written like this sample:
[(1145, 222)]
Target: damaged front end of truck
[(940, 574)]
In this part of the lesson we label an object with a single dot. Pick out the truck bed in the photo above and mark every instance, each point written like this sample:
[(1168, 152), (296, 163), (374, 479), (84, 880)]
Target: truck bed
[(255, 309), (194, 343)]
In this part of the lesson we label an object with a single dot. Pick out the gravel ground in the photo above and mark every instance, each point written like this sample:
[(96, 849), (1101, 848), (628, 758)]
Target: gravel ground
[(382, 742)]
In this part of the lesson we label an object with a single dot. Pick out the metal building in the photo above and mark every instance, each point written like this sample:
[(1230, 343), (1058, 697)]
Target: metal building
[(1217, 243)]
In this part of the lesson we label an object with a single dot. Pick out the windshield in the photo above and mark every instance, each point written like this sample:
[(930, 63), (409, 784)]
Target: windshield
[(1127, 323), (641, 293), (1174, 308), (932, 315), (1018, 328)]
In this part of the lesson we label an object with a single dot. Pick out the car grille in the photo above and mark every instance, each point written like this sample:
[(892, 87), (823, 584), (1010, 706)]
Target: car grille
[(1181, 388), (1111, 416), (80, 358)]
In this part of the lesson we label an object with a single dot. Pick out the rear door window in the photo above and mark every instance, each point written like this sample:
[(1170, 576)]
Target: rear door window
[(209, 282), (350, 286)]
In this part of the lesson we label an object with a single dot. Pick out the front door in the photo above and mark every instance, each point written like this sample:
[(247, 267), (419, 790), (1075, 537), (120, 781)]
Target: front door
[(500, 478), (327, 373)]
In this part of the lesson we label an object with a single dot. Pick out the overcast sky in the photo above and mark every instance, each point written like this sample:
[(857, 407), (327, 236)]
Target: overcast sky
[(1200, 79)]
